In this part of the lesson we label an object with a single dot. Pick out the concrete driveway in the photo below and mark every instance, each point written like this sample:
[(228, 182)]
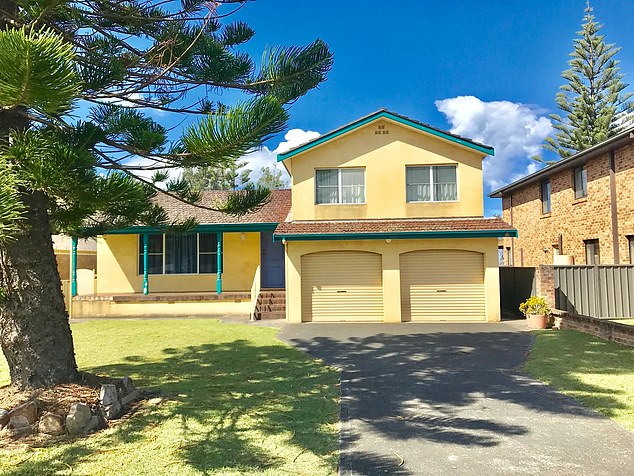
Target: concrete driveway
[(451, 399)]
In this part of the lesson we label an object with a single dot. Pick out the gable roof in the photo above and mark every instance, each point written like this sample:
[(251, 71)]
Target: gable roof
[(265, 218), (573, 161), (384, 113), (274, 211)]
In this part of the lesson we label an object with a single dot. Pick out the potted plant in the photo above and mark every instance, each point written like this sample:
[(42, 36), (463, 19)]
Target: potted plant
[(536, 311)]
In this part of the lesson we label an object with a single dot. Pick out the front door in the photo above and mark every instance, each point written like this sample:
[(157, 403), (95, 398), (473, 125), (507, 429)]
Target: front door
[(272, 259)]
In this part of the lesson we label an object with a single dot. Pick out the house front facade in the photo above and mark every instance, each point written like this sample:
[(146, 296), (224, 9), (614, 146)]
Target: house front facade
[(579, 210), (383, 223), (386, 225)]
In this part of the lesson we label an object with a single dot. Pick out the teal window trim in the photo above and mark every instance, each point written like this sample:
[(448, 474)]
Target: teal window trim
[(396, 235), (393, 117)]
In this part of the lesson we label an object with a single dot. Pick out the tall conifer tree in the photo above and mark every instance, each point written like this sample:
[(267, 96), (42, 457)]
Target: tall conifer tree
[(84, 176), (593, 101)]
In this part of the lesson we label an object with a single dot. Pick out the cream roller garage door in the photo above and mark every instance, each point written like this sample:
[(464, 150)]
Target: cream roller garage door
[(442, 285), (342, 286)]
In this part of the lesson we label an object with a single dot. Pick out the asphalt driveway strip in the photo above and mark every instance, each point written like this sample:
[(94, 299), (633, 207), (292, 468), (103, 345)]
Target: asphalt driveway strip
[(420, 399)]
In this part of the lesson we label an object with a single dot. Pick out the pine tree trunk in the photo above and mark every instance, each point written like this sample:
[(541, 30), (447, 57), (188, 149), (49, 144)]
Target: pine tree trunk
[(34, 330)]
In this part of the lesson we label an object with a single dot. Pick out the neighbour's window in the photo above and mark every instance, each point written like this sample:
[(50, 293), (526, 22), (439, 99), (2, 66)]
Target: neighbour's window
[(192, 253), (592, 252), (340, 185), (546, 196), (630, 240), (581, 182), (435, 183)]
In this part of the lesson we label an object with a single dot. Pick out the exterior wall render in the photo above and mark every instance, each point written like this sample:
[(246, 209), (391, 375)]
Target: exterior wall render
[(390, 253), (385, 157), (117, 262)]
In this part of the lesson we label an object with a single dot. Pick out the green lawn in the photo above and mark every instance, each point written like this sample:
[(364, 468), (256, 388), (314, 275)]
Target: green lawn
[(596, 372), (241, 402)]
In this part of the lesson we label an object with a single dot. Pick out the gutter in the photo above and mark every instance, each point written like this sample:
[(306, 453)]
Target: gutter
[(511, 233)]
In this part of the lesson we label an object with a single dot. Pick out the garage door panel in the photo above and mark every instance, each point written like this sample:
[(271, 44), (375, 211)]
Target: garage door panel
[(342, 286), (442, 285)]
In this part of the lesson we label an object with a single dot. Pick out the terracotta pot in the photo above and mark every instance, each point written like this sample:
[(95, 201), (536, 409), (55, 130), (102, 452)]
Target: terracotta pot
[(537, 321)]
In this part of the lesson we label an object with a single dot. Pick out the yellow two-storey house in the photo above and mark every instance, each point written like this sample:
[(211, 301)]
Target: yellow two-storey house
[(383, 223), (386, 225)]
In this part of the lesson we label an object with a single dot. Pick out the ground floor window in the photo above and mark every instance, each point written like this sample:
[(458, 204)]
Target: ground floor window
[(189, 253), (592, 252), (630, 241)]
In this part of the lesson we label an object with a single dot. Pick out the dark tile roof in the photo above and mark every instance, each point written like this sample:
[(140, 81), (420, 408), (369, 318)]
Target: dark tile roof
[(325, 227), (274, 211)]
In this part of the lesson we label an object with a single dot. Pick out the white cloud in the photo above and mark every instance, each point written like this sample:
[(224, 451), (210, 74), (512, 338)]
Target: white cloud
[(515, 130), (266, 157)]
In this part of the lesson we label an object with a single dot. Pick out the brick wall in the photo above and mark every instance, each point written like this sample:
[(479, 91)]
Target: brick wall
[(614, 331), (625, 199), (575, 219)]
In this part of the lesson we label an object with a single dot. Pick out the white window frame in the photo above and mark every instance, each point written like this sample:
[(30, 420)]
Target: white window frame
[(432, 191), (340, 186), (163, 273)]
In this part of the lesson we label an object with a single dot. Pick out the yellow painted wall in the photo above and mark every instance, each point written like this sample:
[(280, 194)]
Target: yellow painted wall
[(390, 253), (384, 157), (240, 307), (117, 262)]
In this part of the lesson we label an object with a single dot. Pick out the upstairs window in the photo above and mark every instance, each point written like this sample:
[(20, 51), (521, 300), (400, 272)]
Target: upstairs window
[(435, 183), (192, 253), (581, 182), (546, 196), (592, 252), (340, 186)]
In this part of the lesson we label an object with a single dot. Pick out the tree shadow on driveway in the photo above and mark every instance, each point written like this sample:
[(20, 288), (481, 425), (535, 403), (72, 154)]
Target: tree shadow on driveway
[(438, 399)]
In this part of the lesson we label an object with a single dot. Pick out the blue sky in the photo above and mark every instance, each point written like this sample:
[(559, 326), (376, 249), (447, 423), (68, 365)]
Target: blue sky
[(407, 55)]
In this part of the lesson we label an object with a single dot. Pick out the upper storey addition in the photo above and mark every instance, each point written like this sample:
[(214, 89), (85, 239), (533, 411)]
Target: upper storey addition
[(385, 165)]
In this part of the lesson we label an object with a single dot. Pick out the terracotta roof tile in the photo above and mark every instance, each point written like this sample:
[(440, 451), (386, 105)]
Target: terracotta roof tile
[(275, 211), (325, 227)]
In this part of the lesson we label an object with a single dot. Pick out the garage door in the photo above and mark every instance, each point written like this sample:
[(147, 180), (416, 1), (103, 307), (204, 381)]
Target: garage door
[(442, 285), (342, 286)]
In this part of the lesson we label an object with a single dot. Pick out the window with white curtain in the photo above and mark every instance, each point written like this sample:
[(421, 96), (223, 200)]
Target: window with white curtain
[(435, 183), (190, 253), (340, 185)]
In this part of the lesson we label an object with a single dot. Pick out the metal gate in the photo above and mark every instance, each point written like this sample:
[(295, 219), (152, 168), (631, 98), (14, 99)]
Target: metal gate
[(516, 285)]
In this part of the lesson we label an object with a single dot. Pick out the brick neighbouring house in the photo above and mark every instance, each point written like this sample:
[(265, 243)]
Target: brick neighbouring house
[(591, 208)]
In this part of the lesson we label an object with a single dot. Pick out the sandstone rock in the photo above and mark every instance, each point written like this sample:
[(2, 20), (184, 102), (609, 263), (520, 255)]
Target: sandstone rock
[(133, 396), (78, 418), (108, 395), (155, 401), (4, 418), (128, 385), (27, 410), (113, 411), (93, 424), (51, 424), (20, 423)]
